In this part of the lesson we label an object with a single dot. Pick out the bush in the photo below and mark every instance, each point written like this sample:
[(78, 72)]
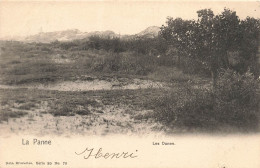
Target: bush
[(233, 103), (236, 99), (186, 107), (127, 63)]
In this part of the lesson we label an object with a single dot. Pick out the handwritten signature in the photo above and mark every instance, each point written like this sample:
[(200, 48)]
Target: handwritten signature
[(91, 153)]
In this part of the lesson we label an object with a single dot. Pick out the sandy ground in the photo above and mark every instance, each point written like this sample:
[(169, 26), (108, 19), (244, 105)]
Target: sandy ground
[(101, 85), (94, 84), (111, 120), (107, 119)]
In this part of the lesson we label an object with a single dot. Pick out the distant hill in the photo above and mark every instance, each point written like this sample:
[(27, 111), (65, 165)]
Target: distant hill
[(73, 34), (149, 32), (67, 35), (57, 35)]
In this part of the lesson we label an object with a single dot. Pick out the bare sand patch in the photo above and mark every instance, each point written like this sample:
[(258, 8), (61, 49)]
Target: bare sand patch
[(95, 84), (112, 120)]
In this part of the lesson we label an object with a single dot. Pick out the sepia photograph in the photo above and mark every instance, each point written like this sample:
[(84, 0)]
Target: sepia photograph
[(145, 80)]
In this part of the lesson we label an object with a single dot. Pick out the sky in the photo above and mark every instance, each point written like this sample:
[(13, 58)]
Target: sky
[(22, 18)]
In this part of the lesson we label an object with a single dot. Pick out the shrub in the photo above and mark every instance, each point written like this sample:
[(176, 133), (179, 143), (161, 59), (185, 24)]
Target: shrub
[(233, 103), (236, 99), (6, 114), (127, 63), (185, 107)]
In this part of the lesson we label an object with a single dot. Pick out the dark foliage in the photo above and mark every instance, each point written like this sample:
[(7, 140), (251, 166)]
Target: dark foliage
[(234, 103)]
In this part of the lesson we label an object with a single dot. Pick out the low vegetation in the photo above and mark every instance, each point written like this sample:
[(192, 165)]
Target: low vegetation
[(233, 103)]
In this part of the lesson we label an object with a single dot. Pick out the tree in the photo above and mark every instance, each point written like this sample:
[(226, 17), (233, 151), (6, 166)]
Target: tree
[(209, 39), (205, 42), (250, 28), (176, 34), (228, 35)]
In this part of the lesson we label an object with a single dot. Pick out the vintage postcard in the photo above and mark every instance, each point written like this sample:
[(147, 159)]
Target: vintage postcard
[(113, 83)]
